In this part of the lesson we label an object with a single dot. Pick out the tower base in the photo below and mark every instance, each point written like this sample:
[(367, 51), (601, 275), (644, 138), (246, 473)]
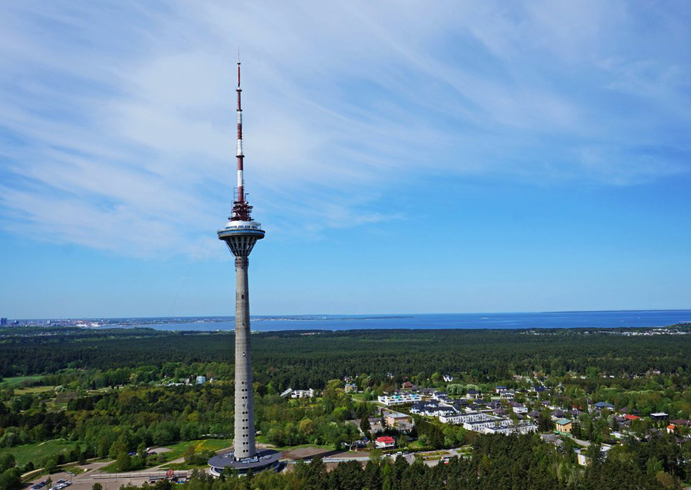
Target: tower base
[(266, 459)]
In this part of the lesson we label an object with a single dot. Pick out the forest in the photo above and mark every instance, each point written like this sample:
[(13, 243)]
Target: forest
[(112, 393), (499, 463), (310, 359)]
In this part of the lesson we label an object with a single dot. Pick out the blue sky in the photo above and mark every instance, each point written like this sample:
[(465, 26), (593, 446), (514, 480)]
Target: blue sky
[(402, 156)]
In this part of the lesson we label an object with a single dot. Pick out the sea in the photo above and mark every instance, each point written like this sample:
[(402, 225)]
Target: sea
[(561, 319)]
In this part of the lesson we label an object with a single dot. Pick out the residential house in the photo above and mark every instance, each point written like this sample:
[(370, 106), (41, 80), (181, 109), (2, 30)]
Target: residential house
[(385, 442), (563, 426), (397, 420), (302, 393), (481, 425), (462, 418), (399, 399), (519, 408), (472, 394), (375, 425)]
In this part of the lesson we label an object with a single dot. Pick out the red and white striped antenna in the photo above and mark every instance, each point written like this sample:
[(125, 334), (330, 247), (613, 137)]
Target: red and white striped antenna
[(241, 209)]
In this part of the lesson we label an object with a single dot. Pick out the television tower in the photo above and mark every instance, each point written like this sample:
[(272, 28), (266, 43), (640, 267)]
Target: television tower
[(240, 234)]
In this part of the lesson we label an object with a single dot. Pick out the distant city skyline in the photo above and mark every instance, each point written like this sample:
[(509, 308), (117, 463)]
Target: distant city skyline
[(455, 157)]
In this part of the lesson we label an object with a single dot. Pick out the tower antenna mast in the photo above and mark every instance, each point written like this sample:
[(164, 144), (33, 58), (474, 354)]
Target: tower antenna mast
[(241, 208)]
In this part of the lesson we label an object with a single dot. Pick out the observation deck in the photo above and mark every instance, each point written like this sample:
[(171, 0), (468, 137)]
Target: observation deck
[(240, 236)]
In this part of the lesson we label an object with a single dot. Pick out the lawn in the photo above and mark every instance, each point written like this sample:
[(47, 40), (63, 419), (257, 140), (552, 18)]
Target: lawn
[(37, 452), (17, 381), (178, 450), (74, 469), (264, 440), (33, 389), (417, 445)]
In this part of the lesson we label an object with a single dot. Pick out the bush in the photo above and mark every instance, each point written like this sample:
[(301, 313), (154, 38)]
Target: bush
[(7, 461), (124, 462), (198, 458), (11, 479), (51, 466)]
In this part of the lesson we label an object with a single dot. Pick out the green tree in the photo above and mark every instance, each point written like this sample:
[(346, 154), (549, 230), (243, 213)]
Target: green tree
[(51, 466), (11, 479), (365, 426), (7, 461), (123, 462)]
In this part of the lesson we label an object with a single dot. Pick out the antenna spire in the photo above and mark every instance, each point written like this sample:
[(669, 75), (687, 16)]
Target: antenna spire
[(241, 209)]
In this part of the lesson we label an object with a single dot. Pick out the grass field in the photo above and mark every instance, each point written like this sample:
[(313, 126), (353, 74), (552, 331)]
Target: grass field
[(37, 452), (74, 469), (416, 445), (178, 450), (17, 381), (34, 389), (318, 446), (264, 440)]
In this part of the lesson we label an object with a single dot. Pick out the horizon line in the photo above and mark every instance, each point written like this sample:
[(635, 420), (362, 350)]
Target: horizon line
[(354, 314)]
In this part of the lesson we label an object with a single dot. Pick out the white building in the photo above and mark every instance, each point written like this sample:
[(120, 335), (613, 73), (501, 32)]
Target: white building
[(525, 428), (481, 425), (302, 393), (462, 418), (298, 393), (498, 429), (399, 399), (506, 428)]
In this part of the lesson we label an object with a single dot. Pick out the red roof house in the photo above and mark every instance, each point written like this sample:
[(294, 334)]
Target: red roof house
[(384, 442)]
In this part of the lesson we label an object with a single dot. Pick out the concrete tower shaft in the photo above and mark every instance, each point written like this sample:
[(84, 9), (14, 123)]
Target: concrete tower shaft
[(244, 395), (240, 236)]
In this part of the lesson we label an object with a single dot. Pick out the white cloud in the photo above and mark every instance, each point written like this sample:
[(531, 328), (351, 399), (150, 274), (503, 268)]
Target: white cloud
[(117, 121)]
